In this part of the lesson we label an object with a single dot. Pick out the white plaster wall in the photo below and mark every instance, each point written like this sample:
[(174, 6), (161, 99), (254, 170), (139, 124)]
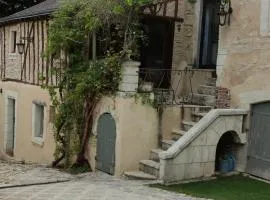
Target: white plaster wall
[(25, 147), (136, 132)]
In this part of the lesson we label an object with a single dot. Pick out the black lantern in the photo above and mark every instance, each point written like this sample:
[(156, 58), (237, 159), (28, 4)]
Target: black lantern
[(225, 11), (20, 46)]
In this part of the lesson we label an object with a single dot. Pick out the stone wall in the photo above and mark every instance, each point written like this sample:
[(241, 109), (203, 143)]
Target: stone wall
[(243, 56), (223, 97), (183, 37)]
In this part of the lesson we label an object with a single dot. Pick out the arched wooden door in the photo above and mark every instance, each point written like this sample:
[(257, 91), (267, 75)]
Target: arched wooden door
[(106, 138)]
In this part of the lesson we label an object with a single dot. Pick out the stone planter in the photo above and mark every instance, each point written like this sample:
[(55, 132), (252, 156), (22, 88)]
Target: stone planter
[(130, 76)]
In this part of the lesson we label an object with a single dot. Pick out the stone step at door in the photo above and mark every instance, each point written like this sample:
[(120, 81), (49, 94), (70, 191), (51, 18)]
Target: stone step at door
[(150, 167), (166, 144)]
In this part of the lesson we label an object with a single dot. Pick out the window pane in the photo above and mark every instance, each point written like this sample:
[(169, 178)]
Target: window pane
[(39, 119), (13, 41)]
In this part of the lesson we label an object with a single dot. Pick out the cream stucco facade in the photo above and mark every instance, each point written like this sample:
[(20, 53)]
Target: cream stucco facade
[(26, 148), (136, 131)]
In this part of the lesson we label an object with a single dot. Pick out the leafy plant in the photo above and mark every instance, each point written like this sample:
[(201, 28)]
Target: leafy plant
[(85, 81)]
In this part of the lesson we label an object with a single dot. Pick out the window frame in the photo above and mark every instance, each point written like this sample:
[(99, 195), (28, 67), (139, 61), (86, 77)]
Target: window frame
[(37, 139), (13, 41)]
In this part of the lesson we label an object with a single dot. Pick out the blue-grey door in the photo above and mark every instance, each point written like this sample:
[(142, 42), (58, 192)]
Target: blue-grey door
[(106, 137), (259, 137)]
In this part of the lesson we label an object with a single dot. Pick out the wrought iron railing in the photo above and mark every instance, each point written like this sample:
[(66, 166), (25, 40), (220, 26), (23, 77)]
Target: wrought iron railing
[(169, 86), (172, 87)]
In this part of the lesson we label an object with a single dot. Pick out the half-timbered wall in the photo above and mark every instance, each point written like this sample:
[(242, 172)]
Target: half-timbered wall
[(32, 66)]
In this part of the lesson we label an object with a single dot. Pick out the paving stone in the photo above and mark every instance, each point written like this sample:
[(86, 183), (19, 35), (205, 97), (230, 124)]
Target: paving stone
[(95, 186), (20, 174)]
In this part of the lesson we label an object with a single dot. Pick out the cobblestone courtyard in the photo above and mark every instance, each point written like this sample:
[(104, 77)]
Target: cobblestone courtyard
[(91, 186), (19, 174), (97, 186)]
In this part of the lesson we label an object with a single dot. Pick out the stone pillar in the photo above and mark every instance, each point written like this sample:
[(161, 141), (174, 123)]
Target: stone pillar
[(130, 77)]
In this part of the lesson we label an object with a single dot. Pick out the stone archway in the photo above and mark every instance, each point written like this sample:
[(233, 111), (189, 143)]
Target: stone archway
[(226, 152)]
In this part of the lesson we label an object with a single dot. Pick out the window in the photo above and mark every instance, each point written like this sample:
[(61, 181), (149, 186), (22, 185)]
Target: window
[(13, 41), (38, 120)]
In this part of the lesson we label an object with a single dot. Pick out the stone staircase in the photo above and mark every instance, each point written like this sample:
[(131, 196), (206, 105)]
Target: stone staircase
[(202, 102)]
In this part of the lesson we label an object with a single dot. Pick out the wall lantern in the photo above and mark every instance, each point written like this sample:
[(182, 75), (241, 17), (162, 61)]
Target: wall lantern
[(225, 11), (20, 46)]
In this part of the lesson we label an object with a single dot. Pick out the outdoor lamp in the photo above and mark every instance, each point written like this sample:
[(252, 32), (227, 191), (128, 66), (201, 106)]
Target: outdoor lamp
[(225, 11), (20, 46)]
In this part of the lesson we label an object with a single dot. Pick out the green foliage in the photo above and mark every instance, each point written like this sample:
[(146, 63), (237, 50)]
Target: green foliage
[(145, 99), (84, 82)]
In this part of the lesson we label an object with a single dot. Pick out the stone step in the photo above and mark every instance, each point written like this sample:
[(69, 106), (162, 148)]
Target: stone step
[(206, 100), (139, 175), (188, 125), (154, 154), (211, 81), (198, 108), (207, 90), (150, 167), (198, 116), (166, 144), (177, 133)]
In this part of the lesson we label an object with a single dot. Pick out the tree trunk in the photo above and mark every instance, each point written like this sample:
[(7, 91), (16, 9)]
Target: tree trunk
[(88, 125)]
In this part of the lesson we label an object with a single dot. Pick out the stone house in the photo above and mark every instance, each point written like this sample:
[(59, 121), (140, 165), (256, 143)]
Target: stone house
[(206, 67)]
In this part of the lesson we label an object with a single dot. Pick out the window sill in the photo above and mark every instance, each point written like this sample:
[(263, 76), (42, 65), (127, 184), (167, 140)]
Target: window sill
[(38, 141)]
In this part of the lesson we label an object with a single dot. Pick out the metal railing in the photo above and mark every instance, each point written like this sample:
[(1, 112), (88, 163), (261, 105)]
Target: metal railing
[(172, 87)]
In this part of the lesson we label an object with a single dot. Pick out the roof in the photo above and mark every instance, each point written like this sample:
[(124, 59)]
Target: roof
[(42, 9)]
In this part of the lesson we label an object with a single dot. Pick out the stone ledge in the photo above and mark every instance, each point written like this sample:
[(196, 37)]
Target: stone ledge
[(196, 130), (6, 186)]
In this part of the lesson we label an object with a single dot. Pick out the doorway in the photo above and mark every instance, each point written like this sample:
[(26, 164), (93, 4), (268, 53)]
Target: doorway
[(10, 132), (258, 163), (225, 153), (209, 35), (106, 139), (157, 51)]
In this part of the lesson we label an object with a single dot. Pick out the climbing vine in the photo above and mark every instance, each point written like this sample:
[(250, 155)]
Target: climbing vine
[(90, 39)]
